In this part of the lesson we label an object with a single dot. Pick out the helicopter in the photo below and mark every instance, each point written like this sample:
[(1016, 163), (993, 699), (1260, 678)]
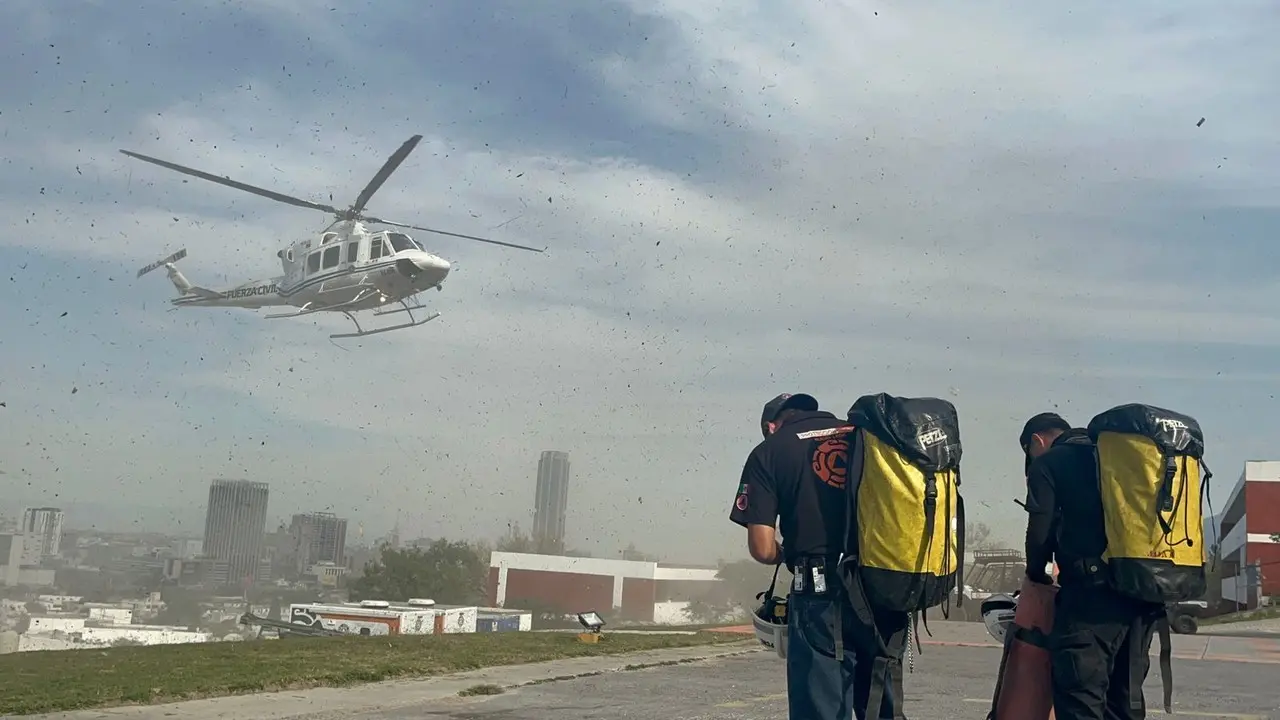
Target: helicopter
[(349, 268)]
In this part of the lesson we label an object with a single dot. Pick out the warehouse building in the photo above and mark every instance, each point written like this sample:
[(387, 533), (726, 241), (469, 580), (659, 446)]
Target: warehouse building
[(627, 589), (1249, 536)]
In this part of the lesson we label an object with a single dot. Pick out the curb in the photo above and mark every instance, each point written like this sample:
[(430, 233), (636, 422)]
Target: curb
[(741, 649)]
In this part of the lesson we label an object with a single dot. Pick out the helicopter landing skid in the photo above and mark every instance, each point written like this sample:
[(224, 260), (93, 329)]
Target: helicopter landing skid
[(361, 332)]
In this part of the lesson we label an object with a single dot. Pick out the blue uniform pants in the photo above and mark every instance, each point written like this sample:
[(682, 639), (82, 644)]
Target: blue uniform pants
[(820, 687)]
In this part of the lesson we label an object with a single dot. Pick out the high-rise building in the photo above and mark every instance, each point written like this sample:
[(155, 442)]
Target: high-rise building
[(43, 527), (234, 525), (551, 501), (318, 537)]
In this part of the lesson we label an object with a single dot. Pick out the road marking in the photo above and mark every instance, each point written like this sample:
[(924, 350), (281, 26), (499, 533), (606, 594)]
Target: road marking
[(748, 702), (1184, 713)]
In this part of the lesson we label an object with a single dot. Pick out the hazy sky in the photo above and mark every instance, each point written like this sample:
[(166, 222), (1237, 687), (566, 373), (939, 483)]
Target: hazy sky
[(1009, 207)]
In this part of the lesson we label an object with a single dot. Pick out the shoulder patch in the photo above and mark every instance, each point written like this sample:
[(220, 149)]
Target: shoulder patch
[(740, 502)]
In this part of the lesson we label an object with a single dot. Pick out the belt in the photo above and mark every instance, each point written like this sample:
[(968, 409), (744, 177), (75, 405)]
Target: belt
[(814, 575)]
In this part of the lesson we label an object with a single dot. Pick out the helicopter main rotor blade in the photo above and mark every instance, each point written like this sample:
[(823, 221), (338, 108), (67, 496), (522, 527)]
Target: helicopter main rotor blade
[(388, 167), (457, 235), (269, 194)]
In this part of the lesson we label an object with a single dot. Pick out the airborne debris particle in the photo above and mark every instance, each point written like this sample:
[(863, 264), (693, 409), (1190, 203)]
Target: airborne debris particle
[(1200, 123)]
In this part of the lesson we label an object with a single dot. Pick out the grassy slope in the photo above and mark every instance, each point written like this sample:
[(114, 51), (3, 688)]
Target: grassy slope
[(50, 681)]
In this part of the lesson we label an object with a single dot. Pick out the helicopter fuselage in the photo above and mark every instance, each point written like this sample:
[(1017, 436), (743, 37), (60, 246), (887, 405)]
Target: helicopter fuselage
[(354, 269)]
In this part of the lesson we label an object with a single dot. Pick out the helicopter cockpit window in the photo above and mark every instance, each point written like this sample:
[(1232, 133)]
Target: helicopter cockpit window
[(353, 251), (313, 262), (332, 255), (375, 249), (400, 242)]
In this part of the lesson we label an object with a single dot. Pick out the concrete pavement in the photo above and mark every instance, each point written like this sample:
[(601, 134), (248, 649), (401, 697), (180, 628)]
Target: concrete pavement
[(1214, 677)]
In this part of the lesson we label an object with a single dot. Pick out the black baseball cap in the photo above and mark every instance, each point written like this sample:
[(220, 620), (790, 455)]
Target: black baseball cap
[(1040, 423), (785, 401)]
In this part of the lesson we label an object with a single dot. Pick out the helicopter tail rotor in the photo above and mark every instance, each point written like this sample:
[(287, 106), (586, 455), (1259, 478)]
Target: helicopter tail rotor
[(161, 263)]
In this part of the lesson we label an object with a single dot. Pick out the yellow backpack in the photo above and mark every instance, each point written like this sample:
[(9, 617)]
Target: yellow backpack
[(906, 529), (904, 532), (1149, 474)]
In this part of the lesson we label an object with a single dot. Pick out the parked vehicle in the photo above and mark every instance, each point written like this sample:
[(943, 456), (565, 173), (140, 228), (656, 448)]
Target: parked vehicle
[(1183, 616)]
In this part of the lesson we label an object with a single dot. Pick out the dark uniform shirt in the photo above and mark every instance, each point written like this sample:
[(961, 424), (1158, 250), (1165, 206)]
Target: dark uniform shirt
[(798, 474), (1064, 507)]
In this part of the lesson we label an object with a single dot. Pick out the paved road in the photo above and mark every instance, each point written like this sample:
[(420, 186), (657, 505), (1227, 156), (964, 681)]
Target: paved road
[(949, 682)]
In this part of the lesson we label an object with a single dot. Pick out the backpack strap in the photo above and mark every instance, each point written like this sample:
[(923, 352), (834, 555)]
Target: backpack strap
[(1166, 662), (886, 666)]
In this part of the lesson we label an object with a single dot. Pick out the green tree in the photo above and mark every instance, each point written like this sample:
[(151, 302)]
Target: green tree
[(454, 573), (1213, 575), (516, 541), (182, 607), (708, 612), (977, 536), (631, 553), (742, 580)]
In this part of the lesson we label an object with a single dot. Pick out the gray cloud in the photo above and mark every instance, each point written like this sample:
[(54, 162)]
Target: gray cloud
[(989, 205)]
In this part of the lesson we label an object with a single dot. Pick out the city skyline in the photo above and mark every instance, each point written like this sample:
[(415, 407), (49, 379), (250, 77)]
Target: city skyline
[(1002, 223)]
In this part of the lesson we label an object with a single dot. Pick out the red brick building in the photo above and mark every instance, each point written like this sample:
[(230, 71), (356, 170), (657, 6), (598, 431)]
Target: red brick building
[(627, 589), (1247, 535)]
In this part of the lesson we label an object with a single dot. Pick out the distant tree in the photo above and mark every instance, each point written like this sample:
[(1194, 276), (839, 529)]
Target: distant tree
[(182, 607), (34, 608), (631, 553), (454, 573), (1275, 537), (23, 624), (516, 541), (744, 579), (709, 612), (1213, 575), (977, 536)]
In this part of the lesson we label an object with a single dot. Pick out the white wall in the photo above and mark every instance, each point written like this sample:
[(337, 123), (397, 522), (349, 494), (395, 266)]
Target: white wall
[(619, 570), (1235, 539), (1262, 470), (114, 615), (673, 613), (562, 564), (1235, 589), (681, 574), (42, 630)]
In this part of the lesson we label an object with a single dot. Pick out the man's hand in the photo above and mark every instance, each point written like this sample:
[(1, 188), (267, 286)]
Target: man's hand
[(1040, 578)]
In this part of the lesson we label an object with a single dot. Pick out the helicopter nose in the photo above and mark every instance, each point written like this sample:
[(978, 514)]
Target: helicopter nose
[(422, 263), (431, 262)]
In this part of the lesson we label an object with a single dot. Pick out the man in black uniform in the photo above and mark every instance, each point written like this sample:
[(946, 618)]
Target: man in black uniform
[(797, 474), (1101, 640)]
